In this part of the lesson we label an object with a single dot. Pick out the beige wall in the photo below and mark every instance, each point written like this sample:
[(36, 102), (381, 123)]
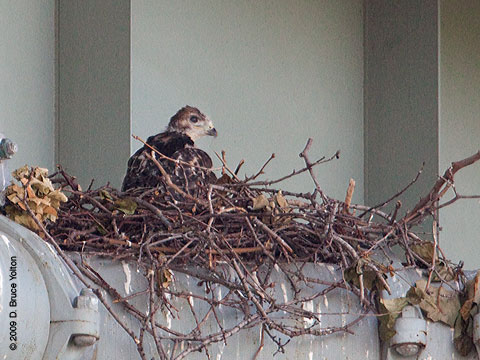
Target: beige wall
[(27, 79), (460, 123), (270, 74)]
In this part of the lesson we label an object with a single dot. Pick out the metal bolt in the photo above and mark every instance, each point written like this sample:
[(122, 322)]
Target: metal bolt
[(7, 148), (84, 340), (86, 300)]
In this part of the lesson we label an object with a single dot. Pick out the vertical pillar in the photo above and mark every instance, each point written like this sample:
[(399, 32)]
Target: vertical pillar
[(93, 135), (401, 98), (460, 124)]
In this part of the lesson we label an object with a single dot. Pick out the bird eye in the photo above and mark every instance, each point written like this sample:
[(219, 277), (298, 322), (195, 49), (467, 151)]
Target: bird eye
[(194, 119)]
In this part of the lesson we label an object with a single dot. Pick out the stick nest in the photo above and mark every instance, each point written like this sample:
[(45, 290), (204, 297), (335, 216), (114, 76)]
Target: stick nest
[(243, 225)]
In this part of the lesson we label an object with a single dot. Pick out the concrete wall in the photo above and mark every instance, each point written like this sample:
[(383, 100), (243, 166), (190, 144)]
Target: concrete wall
[(460, 123), (94, 89), (27, 79), (401, 111), (270, 74)]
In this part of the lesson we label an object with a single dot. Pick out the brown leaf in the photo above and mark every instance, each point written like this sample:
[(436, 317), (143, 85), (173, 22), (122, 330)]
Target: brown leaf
[(424, 250), (475, 286), (42, 188), (57, 196), (392, 308), (50, 210), (27, 221), (473, 296), (281, 201), (15, 198), (463, 335), (164, 278), (369, 276), (260, 202), (40, 173), (30, 192), (439, 304), (445, 272), (22, 205), (22, 172)]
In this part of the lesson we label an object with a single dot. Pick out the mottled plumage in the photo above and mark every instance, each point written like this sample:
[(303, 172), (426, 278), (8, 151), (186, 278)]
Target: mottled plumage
[(190, 171)]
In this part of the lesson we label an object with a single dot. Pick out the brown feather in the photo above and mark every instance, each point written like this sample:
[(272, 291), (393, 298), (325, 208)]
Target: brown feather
[(189, 172)]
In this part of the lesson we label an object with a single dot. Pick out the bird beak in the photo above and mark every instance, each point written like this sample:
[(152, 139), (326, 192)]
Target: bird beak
[(212, 132)]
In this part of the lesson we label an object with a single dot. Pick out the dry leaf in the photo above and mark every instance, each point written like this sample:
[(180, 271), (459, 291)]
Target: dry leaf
[(439, 304), (49, 210), (281, 201), (473, 296), (23, 172), (41, 197), (392, 309), (260, 202), (57, 195), (164, 278), (463, 335), (424, 250)]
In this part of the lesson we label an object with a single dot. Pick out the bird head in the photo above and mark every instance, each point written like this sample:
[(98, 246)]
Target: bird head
[(191, 122)]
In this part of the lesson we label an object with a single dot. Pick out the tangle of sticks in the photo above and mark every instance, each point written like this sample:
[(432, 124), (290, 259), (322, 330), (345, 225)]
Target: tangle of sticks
[(236, 227)]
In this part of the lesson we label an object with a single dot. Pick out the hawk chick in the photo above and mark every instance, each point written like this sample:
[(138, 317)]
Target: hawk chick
[(177, 142)]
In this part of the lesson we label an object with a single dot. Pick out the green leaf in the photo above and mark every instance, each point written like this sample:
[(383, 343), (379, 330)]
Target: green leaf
[(127, 206), (104, 194), (101, 229)]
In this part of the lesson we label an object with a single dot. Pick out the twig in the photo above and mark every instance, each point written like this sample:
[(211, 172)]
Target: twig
[(152, 310), (260, 172), (382, 204), (304, 155), (155, 210), (107, 306), (432, 196), (240, 164), (221, 242), (322, 160), (273, 234), (434, 256)]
